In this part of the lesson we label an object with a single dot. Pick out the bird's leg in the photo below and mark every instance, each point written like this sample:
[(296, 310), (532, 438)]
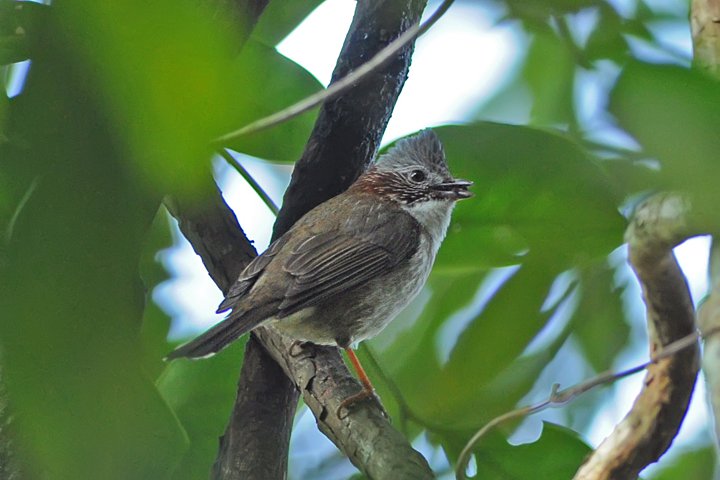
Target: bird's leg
[(368, 390)]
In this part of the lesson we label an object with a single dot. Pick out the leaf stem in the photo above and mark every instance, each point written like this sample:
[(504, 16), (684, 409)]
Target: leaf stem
[(235, 163)]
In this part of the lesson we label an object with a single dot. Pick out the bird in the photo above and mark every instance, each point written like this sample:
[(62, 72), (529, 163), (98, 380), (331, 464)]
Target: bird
[(351, 264)]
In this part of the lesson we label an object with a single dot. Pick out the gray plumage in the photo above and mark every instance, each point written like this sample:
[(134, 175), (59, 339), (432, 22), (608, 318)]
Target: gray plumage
[(346, 268)]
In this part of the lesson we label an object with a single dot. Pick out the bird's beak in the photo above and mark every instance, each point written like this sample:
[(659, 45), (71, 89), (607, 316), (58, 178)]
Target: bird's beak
[(457, 189)]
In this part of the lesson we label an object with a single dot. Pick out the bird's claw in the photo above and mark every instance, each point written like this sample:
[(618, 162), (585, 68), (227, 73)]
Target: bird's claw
[(297, 348), (361, 396)]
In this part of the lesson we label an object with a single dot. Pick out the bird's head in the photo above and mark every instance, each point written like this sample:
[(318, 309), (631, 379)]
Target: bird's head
[(415, 173)]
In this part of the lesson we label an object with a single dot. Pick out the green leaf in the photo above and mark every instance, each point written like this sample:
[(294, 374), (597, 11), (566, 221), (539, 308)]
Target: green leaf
[(606, 40), (631, 177), (72, 298), (486, 347), (202, 393), (266, 82), (526, 181), (650, 102), (539, 12), (160, 70), (550, 87), (280, 18), (155, 323), (534, 190), (408, 348), (600, 325), (557, 454)]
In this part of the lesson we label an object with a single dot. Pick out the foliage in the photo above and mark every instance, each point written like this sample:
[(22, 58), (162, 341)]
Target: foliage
[(120, 108)]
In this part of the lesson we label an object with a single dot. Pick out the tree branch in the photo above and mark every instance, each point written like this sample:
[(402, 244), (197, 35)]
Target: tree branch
[(653, 421)]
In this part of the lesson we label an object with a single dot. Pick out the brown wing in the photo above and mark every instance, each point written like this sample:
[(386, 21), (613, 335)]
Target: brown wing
[(251, 273), (331, 263)]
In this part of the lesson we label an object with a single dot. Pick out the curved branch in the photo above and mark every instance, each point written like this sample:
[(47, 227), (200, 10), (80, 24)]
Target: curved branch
[(648, 429)]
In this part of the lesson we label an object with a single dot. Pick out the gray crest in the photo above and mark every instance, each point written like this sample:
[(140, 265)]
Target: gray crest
[(423, 149)]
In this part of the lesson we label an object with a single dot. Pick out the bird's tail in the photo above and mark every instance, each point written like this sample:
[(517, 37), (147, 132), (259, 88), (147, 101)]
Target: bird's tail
[(216, 338)]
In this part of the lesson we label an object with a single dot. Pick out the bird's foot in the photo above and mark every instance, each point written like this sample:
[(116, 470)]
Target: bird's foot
[(297, 348), (362, 395)]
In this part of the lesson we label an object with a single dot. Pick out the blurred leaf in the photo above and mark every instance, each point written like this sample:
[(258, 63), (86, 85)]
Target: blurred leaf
[(631, 177), (155, 323), (650, 101), (550, 87), (538, 12), (276, 82), (692, 464), (532, 185), (600, 325), (71, 296), (411, 356), (606, 40), (557, 454), (20, 23), (490, 344), (202, 393), (280, 18), (452, 395), (160, 71)]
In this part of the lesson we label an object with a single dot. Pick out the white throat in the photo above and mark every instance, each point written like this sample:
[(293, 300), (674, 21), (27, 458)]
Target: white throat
[(434, 215)]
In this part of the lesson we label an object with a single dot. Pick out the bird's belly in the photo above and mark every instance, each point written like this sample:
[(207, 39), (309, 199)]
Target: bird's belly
[(365, 310)]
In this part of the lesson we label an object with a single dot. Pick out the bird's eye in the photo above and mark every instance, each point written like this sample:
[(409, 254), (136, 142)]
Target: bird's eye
[(418, 176)]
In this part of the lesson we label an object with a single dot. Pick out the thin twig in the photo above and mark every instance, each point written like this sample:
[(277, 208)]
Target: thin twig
[(561, 397), (342, 85), (235, 163)]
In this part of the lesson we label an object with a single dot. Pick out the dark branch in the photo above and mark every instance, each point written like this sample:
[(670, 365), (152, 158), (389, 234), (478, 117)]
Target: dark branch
[(264, 392), (349, 128)]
